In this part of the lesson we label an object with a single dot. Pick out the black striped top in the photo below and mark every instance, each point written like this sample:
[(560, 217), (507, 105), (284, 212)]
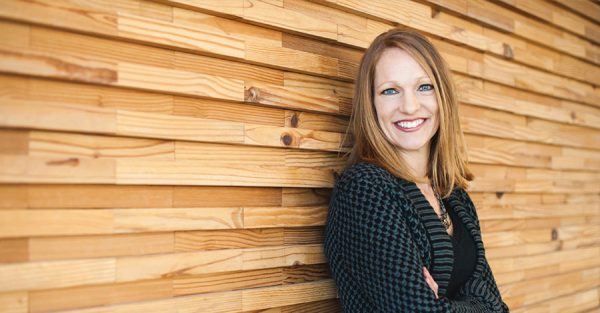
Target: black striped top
[(381, 232)]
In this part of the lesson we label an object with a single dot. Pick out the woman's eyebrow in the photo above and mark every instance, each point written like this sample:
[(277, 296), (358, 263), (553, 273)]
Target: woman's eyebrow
[(396, 82)]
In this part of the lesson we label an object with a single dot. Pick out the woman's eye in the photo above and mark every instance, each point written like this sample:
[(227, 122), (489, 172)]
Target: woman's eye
[(426, 87), (389, 91)]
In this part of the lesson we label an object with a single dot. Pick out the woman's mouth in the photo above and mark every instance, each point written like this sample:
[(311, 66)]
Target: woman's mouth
[(410, 126)]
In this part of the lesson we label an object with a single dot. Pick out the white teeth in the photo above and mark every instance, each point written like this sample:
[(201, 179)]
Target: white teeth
[(412, 124)]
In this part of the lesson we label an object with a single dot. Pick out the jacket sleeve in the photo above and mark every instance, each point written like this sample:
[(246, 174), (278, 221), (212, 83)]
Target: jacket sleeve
[(482, 288), (376, 246)]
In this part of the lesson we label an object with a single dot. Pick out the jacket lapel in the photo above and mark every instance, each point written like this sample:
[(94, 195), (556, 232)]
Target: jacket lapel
[(443, 254)]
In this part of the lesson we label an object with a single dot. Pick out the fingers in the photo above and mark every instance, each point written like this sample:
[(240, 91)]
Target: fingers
[(431, 282)]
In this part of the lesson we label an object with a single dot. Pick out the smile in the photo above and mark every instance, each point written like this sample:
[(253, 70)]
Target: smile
[(410, 126)]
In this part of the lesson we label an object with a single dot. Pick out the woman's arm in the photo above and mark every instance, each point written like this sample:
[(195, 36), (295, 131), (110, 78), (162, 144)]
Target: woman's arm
[(369, 236)]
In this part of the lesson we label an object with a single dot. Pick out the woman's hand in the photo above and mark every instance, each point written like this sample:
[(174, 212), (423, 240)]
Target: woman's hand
[(429, 279)]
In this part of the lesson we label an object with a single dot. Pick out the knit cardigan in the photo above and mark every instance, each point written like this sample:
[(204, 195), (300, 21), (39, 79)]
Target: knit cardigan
[(381, 231)]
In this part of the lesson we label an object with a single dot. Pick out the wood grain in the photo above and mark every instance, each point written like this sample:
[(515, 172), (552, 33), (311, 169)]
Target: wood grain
[(179, 155)]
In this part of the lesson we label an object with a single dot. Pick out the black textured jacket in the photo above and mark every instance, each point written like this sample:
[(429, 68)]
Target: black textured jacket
[(380, 233)]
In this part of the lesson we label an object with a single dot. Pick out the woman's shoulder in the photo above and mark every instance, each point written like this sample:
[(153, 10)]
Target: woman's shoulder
[(364, 171), (366, 179)]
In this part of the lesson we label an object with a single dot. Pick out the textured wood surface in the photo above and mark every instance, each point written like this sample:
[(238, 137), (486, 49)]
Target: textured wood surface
[(178, 155)]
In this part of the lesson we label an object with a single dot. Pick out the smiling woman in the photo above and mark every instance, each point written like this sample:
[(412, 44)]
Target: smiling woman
[(391, 243), (405, 101)]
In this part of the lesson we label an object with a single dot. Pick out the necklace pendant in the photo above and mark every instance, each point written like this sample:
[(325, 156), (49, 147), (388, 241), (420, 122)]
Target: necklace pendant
[(444, 216)]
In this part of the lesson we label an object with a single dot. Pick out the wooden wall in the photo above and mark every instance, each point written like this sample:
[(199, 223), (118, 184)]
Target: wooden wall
[(177, 155)]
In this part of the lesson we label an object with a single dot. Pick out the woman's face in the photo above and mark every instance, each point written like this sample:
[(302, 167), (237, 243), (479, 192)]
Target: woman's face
[(406, 104)]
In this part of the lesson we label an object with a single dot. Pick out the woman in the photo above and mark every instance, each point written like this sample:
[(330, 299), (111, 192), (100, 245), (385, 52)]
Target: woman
[(402, 235)]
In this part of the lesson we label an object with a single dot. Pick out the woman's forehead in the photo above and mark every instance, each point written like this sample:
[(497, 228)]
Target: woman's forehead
[(399, 66)]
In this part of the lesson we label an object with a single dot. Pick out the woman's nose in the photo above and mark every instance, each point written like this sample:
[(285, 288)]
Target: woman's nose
[(410, 104)]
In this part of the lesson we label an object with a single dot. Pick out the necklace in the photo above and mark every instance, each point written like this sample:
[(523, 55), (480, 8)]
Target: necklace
[(444, 216)]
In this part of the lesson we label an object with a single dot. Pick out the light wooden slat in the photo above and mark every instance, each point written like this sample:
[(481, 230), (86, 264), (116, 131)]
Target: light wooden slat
[(82, 196), (488, 177), (293, 138), (230, 301), (56, 274), (263, 12), (567, 265), (217, 302), (96, 20), (331, 305), (584, 7), (303, 235), (497, 16), (14, 142), (191, 172), (14, 250), (58, 116), (79, 247), (188, 285), (100, 147), (264, 298), (147, 29), (204, 262), (559, 17), (228, 111), (143, 220), (499, 239), (150, 78), (499, 97), (210, 196), (77, 297), (528, 292), (418, 16), (302, 92), (504, 125), (26, 223), (285, 217), (305, 273), (14, 302), (315, 121), (490, 150), (521, 250), (21, 223), (576, 302), (186, 241), (564, 259), (539, 248), (22, 169), (122, 74), (536, 222), (178, 127), (153, 125)]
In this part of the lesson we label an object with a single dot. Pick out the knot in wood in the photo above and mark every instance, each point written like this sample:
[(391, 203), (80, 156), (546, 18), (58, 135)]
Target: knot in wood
[(508, 52), (287, 139), (68, 162), (554, 234), (252, 94), (294, 120), (499, 194)]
